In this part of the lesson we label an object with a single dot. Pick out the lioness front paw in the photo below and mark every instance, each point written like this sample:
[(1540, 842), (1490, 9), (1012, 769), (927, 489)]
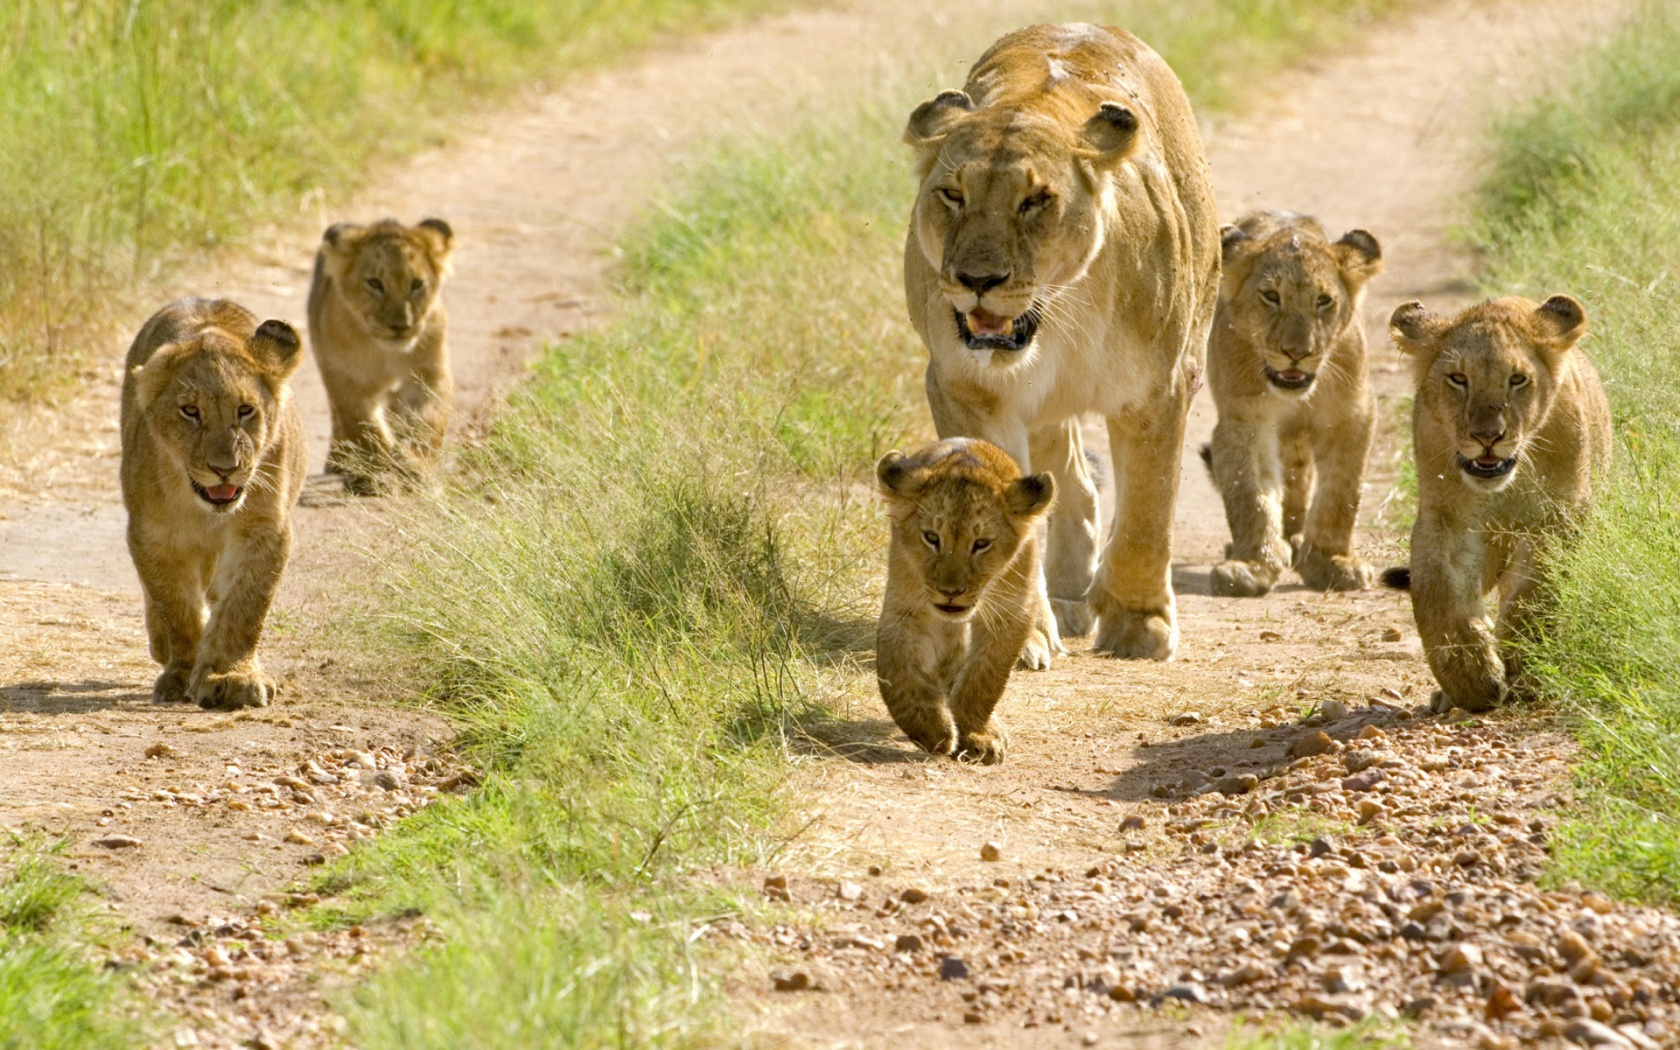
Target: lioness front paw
[(1441, 702), (1242, 579), (1133, 635), (1333, 572), (985, 746), (234, 690), (171, 686), (1074, 616)]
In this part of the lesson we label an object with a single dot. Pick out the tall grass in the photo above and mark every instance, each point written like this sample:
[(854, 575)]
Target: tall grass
[(653, 569), (135, 130), (1586, 199)]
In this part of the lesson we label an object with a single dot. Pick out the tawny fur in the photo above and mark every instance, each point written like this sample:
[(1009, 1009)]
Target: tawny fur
[(1503, 383), (379, 334), (1289, 463), (962, 591), (205, 403), (1067, 183)]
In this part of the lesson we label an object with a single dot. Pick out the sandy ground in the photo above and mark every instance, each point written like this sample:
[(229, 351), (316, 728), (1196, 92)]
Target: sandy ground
[(1381, 136)]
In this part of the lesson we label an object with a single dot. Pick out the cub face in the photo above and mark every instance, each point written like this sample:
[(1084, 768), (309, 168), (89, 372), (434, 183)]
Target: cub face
[(1486, 380), (961, 511), (389, 273), (214, 405), (1008, 211), (1292, 293)]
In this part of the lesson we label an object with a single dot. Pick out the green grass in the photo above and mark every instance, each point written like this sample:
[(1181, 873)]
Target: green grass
[(1370, 1034), (54, 994), (1586, 200), (138, 132), (652, 573)]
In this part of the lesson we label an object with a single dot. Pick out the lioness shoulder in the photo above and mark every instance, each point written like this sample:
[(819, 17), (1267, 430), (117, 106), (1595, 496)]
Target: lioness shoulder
[(962, 590), (213, 457), (1511, 429), (1287, 368), (379, 332)]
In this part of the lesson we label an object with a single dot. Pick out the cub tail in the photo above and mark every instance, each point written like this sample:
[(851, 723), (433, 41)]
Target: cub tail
[(1397, 578)]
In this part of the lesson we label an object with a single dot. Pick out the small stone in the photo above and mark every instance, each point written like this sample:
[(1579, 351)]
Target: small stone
[(159, 750), (1587, 1032), (1246, 974), (383, 779), (1121, 993), (1321, 847), (776, 888), (1461, 957), (1333, 710), (1188, 718), (1371, 733), (1391, 634), (1188, 992), (1270, 636), (1501, 1001), (298, 838), (913, 895), (1358, 761), (990, 851), (790, 980), (849, 891), (1369, 810), (1365, 781), (973, 1017), (1320, 1005), (907, 942), (321, 817), (952, 968), (1573, 947), (364, 759), (1132, 823), (117, 842), (1312, 744), (314, 859), (1598, 902), (1240, 784)]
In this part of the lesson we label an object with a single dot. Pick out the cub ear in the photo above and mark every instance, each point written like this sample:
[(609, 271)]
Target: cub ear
[(439, 234), (151, 377), (1412, 326), (1112, 133), (897, 478), (340, 236), (1031, 496), (1560, 322), (1358, 256), (277, 348), (1231, 238)]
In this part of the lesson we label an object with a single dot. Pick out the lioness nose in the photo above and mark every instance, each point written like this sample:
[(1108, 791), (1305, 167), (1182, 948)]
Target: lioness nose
[(981, 283), (1488, 436), (951, 591), (222, 466)]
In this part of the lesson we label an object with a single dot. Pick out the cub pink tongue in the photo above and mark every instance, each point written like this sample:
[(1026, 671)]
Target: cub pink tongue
[(222, 493), (981, 322)]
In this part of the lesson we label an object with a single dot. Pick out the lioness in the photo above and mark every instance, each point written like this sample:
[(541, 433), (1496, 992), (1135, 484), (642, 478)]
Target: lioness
[(1510, 429), (213, 458), (962, 590), (378, 329), (1063, 258), (1287, 369)]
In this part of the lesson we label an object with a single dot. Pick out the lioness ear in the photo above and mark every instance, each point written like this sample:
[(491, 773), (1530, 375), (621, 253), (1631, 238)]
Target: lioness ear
[(933, 118), (896, 477), (1560, 322), (277, 348), (1412, 326), (1359, 257), (1031, 496), (1112, 133), (149, 378)]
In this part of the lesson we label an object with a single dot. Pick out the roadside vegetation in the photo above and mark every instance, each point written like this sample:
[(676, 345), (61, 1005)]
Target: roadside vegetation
[(138, 132), (1586, 199), (654, 571)]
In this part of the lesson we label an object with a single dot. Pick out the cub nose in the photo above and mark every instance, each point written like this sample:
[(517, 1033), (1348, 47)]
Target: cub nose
[(224, 467), (952, 592), (981, 283)]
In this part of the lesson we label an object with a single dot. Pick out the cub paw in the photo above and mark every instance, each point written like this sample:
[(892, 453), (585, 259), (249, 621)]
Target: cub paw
[(171, 686), (1441, 702), (1332, 572), (1074, 616), (932, 731), (985, 746), (365, 484), (1242, 579), (1132, 635), (229, 692)]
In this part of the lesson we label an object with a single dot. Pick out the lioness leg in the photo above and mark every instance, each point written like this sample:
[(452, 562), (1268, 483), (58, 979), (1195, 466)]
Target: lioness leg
[(1327, 561), (227, 673), (1458, 636), (174, 599), (1295, 449), (1133, 594), (1246, 470), (1070, 559)]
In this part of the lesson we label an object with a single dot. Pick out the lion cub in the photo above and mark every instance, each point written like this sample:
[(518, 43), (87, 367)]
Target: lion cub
[(378, 329), (962, 590), (1286, 364), (1510, 429), (213, 458)]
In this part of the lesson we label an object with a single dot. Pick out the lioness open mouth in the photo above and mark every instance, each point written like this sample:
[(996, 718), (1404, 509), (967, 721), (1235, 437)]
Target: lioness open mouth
[(1289, 378), (1486, 466), (217, 495), (987, 330)]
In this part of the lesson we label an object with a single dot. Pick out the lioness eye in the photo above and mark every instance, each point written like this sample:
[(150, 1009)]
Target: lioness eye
[(980, 545), (1037, 200), (1325, 302), (190, 411), (1459, 379), (245, 411), (931, 539), (950, 196), (1518, 381), (1270, 297), (377, 285)]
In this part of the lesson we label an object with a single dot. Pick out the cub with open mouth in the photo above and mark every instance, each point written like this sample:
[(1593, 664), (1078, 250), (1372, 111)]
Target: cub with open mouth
[(962, 590), (213, 458), (1287, 368), (1511, 430)]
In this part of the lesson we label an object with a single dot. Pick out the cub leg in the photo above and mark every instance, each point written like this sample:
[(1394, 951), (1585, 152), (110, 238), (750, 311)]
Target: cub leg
[(1295, 448), (1518, 587), (1133, 593), (1070, 561), (1247, 471), (906, 668), (174, 600), (227, 673), (1457, 633), (1327, 561), (997, 634), (362, 446), (422, 405)]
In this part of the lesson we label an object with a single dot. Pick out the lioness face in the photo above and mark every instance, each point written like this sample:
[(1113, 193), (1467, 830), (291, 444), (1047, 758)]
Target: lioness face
[(1293, 295), (961, 511), (389, 273), (214, 404), (1486, 379), (1008, 212)]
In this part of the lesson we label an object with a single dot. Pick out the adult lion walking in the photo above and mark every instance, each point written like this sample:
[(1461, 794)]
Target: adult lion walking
[(1063, 258)]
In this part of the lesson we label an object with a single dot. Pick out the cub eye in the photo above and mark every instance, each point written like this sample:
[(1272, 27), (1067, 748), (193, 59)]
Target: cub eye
[(246, 411), (190, 411), (1036, 201), (931, 539), (416, 286), (981, 545), (952, 197), (1518, 380), (1459, 379), (1271, 297), (1325, 302), (377, 285)]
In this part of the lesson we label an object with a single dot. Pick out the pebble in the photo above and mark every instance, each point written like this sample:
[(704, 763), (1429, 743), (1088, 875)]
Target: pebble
[(991, 851), (849, 891), (1312, 744), (1588, 1032), (1392, 634), (1188, 992), (952, 968), (298, 838), (159, 750), (790, 980), (1133, 823), (117, 842), (913, 895), (1188, 718), (1333, 710), (907, 942)]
